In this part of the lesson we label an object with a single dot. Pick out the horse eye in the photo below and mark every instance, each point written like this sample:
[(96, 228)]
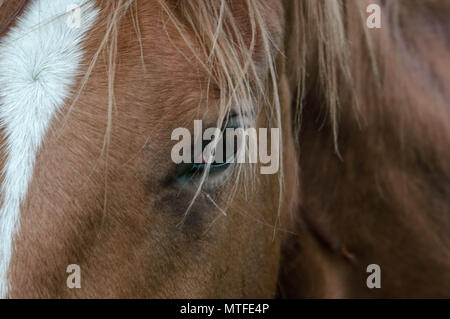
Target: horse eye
[(195, 170)]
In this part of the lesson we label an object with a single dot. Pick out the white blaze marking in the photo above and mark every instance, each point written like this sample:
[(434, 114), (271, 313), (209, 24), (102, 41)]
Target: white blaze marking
[(39, 61)]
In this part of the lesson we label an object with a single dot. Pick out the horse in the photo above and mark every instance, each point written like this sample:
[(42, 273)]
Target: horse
[(91, 91)]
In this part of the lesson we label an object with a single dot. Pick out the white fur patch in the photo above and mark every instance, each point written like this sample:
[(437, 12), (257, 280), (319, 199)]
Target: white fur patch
[(39, 61)]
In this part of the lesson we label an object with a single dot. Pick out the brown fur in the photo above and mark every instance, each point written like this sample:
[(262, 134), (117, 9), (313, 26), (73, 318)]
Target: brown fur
[(386, 200), (9, 10)]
